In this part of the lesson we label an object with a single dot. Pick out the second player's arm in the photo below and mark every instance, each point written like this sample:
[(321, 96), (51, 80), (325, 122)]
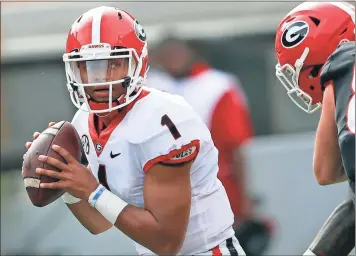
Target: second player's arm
[(327, 162)]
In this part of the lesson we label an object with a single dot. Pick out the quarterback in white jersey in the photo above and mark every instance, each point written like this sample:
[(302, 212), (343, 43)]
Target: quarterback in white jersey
[(152, 164)]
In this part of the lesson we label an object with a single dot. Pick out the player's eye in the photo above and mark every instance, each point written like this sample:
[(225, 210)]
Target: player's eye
[(115, 63)]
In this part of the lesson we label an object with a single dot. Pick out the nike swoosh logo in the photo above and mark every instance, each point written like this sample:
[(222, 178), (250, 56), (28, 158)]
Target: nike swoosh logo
[(114, 155)]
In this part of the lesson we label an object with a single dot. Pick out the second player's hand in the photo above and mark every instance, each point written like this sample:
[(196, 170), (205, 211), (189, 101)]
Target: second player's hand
[(74, 178)]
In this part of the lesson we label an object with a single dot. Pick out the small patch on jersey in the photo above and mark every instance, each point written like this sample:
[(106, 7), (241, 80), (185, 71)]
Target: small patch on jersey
[(184, 154), (98, 147), (85, 144)]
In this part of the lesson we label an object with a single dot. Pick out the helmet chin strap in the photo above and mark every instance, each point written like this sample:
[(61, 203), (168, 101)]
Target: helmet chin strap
[(100, 105), (299, 64), (103, 114), (96, 105)]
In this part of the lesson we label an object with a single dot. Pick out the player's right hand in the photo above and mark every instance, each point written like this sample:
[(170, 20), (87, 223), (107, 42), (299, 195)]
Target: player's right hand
[(35, 136)]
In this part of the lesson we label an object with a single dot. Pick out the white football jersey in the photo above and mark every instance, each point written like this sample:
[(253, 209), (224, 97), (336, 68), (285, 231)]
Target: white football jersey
[(202, 91), (143, 138)]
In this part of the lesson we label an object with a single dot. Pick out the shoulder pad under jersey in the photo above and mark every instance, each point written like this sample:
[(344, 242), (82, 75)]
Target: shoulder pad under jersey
[(339, 63)]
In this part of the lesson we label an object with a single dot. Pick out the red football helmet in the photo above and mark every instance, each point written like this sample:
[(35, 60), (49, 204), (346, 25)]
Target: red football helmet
[(305, 38), (95, 41)]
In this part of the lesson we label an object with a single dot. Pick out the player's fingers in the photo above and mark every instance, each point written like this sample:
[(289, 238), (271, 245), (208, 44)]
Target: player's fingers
[(28, 144), (51, 124), (52, 161), (35, 135), (49, 173), (64, 153), (53, 185)]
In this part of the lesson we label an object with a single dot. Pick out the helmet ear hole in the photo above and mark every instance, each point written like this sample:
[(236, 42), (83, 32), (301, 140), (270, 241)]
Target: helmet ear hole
[(315, 71), (311, 87)]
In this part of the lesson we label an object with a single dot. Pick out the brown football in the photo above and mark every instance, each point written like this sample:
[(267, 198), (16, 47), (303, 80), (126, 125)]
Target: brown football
[(62, 134)]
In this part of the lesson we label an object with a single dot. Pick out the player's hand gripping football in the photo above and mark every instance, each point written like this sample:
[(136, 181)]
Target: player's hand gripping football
[(36, 134), (74, 178)]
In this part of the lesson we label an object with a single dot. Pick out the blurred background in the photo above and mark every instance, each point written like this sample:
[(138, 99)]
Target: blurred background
[(234, 37)]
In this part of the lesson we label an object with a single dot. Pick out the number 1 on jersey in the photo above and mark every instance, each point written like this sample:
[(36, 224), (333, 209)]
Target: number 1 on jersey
[(102, 176), (166, 121)]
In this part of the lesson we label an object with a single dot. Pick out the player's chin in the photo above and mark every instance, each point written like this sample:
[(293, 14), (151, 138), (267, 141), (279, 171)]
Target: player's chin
[(100, 99), (104, 95), (100, 95), (103, 100)]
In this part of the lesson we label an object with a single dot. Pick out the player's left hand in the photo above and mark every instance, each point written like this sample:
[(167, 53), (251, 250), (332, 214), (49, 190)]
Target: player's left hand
[(74, 178)]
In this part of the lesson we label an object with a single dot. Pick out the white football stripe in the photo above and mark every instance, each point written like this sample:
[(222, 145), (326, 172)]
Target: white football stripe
[(58, 125), (51, 131), (32, 182), (95, 27)]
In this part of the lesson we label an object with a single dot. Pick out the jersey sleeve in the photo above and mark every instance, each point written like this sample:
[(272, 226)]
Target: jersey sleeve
[(79, 121), (173, 136), (339, 63), (231, 123)]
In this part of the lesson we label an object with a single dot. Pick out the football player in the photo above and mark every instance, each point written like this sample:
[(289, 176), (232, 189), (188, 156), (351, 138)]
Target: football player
[(152, 164), (224, 109), (315, 48)]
